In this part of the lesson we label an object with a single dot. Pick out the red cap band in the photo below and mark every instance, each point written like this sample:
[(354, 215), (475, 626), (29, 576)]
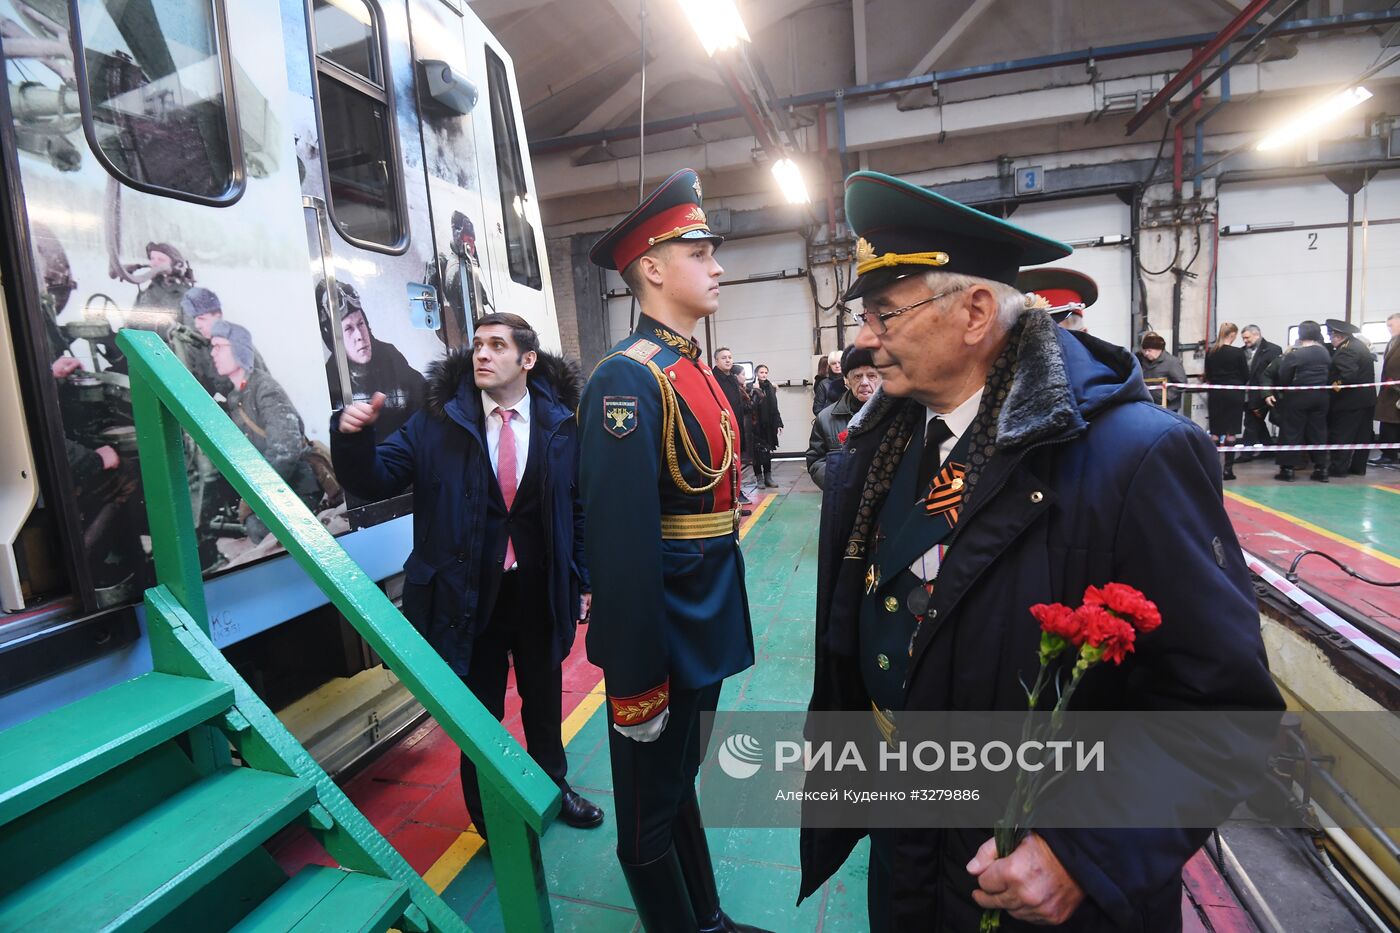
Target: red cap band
[(1059, 297), (666, 225)]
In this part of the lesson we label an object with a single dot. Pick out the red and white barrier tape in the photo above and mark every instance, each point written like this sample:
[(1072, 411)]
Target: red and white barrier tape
[(1269, 390), (1261, 449), (1300, 598)]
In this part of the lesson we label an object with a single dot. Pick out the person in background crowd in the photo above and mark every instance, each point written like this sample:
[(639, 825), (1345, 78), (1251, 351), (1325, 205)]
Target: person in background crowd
[(1040, 448), (767, 425), (819, 381), (829, 428), (1388, 399), (1258, 354), (375, 365), (1067, 292), (1302, 416), (1350, 411), (1226, 365), (739, 400), (260, 407), (659, 480), (1160, 367), (497, 568), (829, 389)]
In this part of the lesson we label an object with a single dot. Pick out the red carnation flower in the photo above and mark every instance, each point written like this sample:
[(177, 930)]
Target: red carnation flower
[(1126, 602), (842, 436), (1059, 620), (1103, 630)]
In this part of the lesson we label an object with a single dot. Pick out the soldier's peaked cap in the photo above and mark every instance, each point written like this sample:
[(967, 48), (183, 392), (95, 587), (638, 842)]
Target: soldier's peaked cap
[(904, 229), (1063, 288), (673, 211), (1336, 326)]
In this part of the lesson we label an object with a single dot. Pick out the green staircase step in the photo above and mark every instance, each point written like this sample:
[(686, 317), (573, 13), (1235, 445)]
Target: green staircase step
[(44, 758), (329, 900), (140, 872)]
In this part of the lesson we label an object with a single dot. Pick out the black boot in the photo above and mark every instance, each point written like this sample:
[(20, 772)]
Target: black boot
[(1285, 474), (1319, 475), (1229, 467), (658, 891), (768, 479), (694, 851)]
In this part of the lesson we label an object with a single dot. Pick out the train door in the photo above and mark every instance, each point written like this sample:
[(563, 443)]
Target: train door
[(448, 103)]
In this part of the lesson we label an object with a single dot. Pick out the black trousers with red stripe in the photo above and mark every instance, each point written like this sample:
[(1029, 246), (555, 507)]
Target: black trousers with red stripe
[(652, 779)]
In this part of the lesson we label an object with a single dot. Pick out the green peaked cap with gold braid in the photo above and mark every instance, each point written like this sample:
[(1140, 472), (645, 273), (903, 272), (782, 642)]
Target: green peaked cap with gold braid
[(904, 229)]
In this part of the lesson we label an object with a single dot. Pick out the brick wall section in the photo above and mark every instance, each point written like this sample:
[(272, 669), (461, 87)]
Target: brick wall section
[(561, 273)]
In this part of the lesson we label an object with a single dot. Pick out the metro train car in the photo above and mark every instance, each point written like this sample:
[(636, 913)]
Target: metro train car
[(346, 181)]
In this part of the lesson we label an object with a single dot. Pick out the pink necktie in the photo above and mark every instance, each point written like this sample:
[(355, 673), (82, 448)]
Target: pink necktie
[(505, 472)]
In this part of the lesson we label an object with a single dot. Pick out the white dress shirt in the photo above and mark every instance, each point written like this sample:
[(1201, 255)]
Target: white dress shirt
[(519, 424), (958, 421)]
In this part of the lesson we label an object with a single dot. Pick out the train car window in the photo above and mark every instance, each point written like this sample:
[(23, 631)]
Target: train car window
[(155, 85), (366, 201), (516, 206)]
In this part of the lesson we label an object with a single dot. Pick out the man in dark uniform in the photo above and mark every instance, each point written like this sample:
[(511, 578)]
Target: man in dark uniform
[(1349, 415), (659, 479), (1007, 462), (1258, 353), (1067, 293)]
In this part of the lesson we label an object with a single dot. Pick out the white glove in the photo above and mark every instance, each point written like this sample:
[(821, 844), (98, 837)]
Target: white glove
[(648, 731)]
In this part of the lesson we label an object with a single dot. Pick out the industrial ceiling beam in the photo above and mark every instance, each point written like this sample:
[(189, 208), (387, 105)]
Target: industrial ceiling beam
[(945, 42), (971, 73), (1198, 62)]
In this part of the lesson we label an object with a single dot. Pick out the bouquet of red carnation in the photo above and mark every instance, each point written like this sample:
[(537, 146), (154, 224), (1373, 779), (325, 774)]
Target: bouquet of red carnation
[(1103, 628)]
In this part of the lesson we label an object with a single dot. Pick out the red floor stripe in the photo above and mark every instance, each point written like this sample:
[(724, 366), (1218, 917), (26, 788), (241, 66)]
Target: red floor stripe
[(1279, 541)]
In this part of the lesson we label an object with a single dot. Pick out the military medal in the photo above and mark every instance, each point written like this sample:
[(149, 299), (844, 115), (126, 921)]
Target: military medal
[(917, 602), (872, 579)]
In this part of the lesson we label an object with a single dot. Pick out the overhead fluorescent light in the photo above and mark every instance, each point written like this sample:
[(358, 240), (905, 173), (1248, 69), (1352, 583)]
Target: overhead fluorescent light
[(789, 178), (1314, 117), (716, 22)]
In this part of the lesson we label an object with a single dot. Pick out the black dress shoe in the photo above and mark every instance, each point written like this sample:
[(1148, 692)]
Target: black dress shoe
[(1320, 476), (1227, 475), (580, 812), (1285, 474)]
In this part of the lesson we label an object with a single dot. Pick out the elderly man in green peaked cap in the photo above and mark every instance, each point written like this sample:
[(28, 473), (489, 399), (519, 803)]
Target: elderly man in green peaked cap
[(1007, 462)]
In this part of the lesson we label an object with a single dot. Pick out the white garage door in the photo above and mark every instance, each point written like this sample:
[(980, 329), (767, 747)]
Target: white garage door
[(764, 322), (1294, 268), (1084, 219)]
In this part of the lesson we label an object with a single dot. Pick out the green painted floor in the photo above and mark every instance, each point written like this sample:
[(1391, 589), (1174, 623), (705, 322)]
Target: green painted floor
[(756, 868), (1354, 509)]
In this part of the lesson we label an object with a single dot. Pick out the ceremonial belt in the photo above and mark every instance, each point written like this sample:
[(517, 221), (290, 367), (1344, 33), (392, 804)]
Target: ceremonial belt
[(688, 527)]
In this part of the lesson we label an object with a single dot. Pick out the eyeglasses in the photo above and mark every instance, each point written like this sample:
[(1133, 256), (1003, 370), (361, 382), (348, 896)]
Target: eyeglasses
[(875, 320)]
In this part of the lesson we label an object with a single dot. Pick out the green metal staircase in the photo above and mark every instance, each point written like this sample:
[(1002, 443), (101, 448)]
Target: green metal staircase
[(146, 806)]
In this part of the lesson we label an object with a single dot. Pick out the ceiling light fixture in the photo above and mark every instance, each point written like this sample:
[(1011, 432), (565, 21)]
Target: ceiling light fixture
[(716, 22), (1314, 117), (790, 180)]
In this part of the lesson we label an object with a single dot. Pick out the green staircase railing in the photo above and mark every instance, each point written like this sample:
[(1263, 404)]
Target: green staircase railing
[(126, 810)]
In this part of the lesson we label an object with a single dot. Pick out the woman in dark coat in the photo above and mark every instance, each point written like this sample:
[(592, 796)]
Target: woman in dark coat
[(1302, 416), (767, 425), (1226, 364)]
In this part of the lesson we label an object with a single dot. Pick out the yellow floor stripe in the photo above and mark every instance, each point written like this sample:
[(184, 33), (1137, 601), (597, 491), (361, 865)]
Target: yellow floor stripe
[(1394, 489), (1316, 529), (451, 862)]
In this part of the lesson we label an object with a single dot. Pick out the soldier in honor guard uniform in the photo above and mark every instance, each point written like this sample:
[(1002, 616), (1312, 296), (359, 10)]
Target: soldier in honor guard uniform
[(1067, 293), (659, 480)]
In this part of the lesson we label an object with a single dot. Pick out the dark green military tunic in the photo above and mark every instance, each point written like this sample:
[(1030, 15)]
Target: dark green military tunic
[(912, 522)]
